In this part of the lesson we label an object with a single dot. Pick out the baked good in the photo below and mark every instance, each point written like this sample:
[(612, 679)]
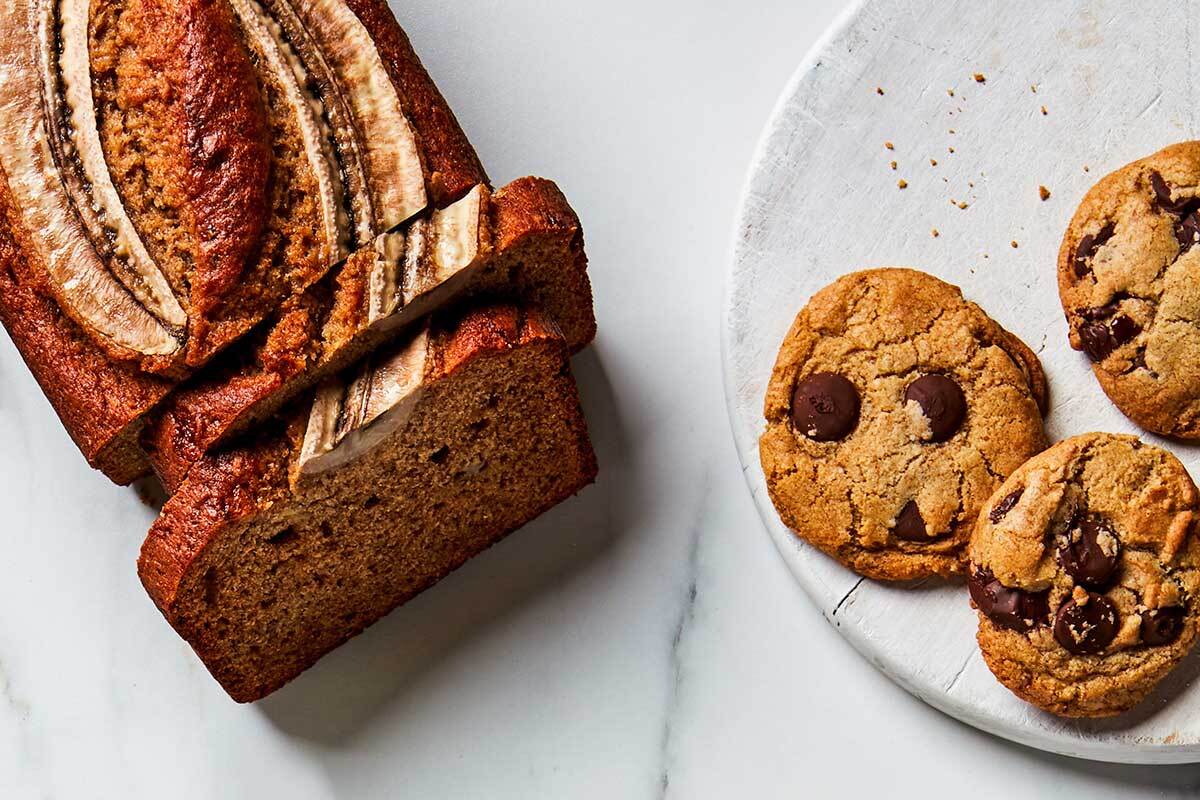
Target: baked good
[(1127, 275), (273, 553), (166, 76), (1085, 570), (895, 409), (523, 242), (184, 166)]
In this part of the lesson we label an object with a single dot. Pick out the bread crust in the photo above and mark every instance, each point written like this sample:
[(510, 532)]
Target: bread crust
[(530, 214), (102, 400)]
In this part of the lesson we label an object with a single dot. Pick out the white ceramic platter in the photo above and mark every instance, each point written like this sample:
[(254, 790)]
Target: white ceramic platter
[(1117, 81)]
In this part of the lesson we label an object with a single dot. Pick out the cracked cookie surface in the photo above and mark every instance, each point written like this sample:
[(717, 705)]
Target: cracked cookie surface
[(1129, 281), (895, 409), (1084, 571)]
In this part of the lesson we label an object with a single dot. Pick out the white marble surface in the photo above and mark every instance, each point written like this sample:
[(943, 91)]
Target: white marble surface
[(644, 640)]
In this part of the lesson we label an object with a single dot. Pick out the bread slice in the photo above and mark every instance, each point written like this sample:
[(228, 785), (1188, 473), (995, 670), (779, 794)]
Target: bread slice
[(530, 247), (183, 167), (264, 566)]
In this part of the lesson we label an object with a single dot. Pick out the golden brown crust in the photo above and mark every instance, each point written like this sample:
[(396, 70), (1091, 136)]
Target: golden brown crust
[(227, 152), (537, 256), (451, 164), (189, 123), (225, 488)]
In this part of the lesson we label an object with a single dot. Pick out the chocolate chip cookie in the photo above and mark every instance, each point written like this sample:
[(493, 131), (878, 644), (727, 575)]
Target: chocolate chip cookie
[(895, 409), (1129, 280), (1085, 572)]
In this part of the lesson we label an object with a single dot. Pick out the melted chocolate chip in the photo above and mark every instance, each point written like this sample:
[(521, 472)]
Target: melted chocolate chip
[(910, 525), (1099, 313), (1162, 192), (1088, 247), (1187, 232), (1090, 552), (1162, 197), (1097, 341), (1101, 338), (1015, 609), (1162, 625), (1086, 628), (1187, 227), (941, 401), (1001, 509), (825, 407), (1124, 329)]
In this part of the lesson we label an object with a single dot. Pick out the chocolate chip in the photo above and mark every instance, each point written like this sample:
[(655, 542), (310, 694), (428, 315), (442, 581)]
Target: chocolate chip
[(1097, 341), (1101, 338), (1162, 625), (1086, 628), (910, 525), (1088, 246), (1098, 313), (1015, 609), (1187, 232), (1124, 329), (1089, 555), (1183, 207), (1162, 192), (941, 401), (825, 407), (1001, 509)]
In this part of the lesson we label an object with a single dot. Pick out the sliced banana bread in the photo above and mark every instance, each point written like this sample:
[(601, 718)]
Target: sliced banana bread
[(524, 242), (273, 553)]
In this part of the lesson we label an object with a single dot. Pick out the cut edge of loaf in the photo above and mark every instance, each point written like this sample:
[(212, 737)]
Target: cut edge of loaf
[(262, 579)]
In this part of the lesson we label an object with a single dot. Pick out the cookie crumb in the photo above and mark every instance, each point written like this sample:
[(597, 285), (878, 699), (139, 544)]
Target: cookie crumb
[(903, 184), (1033, 88), (1085, 168), (893, 165), (935, 232), (965, 205), (879, 91), (951, 149), (889, 145), (952, 130), (933, 162), (1044, 111), (950, 92), (1014, 244), (979, 77), (1044, 193)]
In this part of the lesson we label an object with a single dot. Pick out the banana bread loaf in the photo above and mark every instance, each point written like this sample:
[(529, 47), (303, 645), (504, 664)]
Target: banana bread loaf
[(136, 133), (273, 553)]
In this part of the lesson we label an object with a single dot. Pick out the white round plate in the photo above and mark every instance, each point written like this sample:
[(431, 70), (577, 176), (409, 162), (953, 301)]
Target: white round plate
[(1069, 92)]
